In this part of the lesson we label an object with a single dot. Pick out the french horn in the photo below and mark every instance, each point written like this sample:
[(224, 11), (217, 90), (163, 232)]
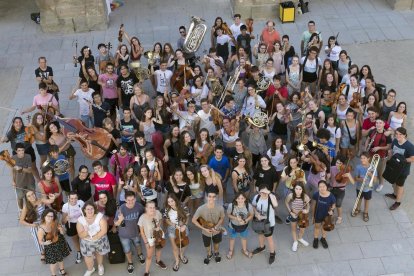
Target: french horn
[(263, 83), (259, 119), (195, 35), (60, 167)]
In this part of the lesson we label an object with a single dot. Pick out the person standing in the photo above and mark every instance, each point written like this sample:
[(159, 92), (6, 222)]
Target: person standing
[(306, 38), (84, 96), (269, 36), (126, 219), (22, 174), (311, 65), (103, 181), (402, 146), (236, 31), (125, 84), (109, 89), (209, 218), (150, 224)]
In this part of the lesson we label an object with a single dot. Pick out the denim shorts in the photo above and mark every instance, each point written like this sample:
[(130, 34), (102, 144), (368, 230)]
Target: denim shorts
[(126, 243), (171, 231), (233, 234)]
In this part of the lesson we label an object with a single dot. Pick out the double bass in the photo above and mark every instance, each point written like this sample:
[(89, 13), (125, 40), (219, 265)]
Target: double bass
[(94, 142)]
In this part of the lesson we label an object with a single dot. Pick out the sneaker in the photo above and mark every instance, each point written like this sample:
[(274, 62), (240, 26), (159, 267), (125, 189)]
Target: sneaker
[(395, 205), (147, 274), (89, 272), (324, 243), (287, 221), (161, 264), (272, 258), (295, 246), (339, 220), (392, 196), (217, 257), (130, 268), (303, 242), (207, 259), (278, 220), (379, 188), (141, 258), (315, 243), (101, 270), (258, 250), (78, 257)]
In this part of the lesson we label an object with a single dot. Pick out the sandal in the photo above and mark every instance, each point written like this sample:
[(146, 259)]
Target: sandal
[(365, 217), (247, 253), (184, 259), (355, 213), (229, 255), (176, 267), (62, 271)]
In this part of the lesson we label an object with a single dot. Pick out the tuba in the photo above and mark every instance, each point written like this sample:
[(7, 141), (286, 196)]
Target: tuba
[(195, 35), (60, 167), (140, 72)]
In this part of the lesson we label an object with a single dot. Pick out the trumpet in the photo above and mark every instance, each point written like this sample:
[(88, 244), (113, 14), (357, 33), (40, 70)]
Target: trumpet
[(371, 169), (60, 167)]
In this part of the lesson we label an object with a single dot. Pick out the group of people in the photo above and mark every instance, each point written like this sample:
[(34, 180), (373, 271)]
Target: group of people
[(197, 154)]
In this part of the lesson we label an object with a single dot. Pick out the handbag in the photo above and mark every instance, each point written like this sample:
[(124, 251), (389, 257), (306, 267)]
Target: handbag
[(262, 226), (394, 168), (352, 141)]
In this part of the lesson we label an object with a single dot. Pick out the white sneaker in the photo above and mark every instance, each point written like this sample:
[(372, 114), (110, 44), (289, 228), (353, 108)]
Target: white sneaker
[(339, 220), (89, 272), (295, 246), (379, 188), (101, 270), (303, 242)]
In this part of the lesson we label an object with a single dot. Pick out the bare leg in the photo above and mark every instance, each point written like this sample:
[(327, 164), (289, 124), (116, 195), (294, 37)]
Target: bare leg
[(366, 206), (52, 268), (75, 240), (271, 244), (150, 253), (175, 251), (293, 230), (316, 230), (89, 262), (231, 245)]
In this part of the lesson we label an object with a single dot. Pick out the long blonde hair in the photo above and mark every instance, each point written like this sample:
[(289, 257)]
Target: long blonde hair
[(214, 176)]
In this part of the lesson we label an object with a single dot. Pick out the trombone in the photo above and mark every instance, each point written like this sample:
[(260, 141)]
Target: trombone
[(371, 169), (231, 83)]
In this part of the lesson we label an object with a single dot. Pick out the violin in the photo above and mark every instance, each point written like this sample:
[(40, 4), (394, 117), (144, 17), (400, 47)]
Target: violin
[(298, 176), (53, 234), (94, 142), (205, 224), (217, 120), (303, 220), (316, 163), (249, 25), (356, 98), (121, 32), (158, 236), (343, 169), (5, 156), (181, 238), (30, 132), (328, 224)]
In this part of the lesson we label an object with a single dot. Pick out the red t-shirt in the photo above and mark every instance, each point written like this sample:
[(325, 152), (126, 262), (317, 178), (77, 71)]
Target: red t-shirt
[(105, 183), (269, 39), (282, 91), (367, 124)]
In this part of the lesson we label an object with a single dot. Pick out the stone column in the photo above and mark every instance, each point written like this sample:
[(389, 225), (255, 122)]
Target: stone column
[(68, 16)]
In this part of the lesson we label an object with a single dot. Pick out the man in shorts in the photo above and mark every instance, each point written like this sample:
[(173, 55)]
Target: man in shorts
[(126, 219)]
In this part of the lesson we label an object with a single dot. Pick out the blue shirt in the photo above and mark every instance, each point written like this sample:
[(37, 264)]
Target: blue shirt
[(221, 166), (361, 171)]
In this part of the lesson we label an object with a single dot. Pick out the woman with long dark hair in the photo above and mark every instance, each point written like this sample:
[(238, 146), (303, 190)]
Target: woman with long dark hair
[(49, 184), (176, 216), (186, 152), (178, 185), (86, 59), (196, 188), (106, 205)]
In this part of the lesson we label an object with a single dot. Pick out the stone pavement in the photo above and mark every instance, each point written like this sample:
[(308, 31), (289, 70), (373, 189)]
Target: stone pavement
[(371, 32)]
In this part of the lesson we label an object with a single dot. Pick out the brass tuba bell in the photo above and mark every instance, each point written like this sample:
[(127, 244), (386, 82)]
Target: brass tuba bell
[(140, 72), (150, 56)]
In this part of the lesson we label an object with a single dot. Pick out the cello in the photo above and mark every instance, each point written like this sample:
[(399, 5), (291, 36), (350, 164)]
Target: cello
[(180, 77), (94, 142)]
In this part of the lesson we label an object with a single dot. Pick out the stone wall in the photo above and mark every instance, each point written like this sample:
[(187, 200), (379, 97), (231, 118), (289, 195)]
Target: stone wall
[(401, 4), (68, 16)]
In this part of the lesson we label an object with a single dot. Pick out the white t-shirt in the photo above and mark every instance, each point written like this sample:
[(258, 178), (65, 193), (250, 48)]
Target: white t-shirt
[(163, 80), (206, 121), (277, 157), (334, 55), (335, 133), (235, 30), (83, 97), (74, 212), (223, 39), (310, 65), (261, 207)]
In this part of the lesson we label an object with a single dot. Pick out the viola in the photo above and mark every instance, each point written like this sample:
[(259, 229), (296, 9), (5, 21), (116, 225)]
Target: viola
[(316, 163), (158, 236), (328, 224), (94, 142), (303, 220), (53, 234), (217, 119), (249, 25), (30, 132), (181, 238), (205, 224), (5, 156), (299, 175), (343, 169)]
